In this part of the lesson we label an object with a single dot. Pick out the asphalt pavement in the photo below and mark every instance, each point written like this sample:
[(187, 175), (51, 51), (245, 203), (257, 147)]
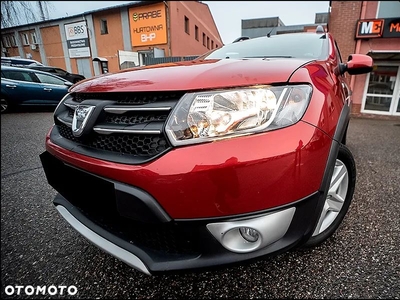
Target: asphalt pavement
[(40, 250)]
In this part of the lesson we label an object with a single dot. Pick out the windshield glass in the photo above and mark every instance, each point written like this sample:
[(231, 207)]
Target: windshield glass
[(303, 45)]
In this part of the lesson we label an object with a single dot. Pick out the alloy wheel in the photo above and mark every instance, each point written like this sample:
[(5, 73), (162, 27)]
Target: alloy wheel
[(336, 197)]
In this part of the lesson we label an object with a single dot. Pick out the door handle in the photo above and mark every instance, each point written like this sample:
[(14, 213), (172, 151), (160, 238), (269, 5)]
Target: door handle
[(11, 86), (47, 89)]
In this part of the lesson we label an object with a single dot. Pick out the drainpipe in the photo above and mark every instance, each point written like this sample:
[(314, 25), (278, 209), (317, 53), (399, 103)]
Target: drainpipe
[(168, 28), (358, 43)]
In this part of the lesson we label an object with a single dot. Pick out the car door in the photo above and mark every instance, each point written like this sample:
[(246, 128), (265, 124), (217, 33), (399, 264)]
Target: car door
[(22, 87), (54, 88)]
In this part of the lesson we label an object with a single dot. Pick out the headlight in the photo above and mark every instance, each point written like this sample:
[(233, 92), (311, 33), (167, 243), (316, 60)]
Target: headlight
[(206, 116)]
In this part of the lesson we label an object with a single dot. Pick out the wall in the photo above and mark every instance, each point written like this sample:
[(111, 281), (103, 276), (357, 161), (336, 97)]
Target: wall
[(198, 14), (109, 44), (53, 47), (343, 23)]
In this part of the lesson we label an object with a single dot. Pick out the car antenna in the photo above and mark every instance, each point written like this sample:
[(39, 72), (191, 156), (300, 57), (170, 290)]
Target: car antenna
[(269, 33)]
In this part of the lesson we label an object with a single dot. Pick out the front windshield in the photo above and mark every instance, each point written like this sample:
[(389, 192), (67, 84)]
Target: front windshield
[(306, 45)]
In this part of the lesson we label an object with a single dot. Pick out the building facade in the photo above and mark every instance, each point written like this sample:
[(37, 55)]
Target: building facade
[(253, 28), (114, 38), (371, 28)]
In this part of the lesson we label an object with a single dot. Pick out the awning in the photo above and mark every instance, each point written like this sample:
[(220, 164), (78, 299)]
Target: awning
[(100, 59), (384, 55)]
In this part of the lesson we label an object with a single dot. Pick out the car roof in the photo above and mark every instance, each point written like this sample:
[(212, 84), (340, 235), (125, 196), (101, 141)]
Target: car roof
[(11, 68), (5, 59)]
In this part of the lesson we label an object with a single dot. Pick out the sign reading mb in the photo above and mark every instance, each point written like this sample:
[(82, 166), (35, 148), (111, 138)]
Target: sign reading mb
[(148, 25), (370, 28)]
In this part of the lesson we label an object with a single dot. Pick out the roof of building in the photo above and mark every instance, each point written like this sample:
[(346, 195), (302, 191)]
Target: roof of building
[(131, 4)]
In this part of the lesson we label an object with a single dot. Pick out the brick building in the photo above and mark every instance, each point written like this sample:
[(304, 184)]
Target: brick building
[(372, 28), (119, 36)]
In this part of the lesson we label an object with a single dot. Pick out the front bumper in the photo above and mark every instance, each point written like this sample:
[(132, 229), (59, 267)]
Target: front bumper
[(127, 223), (202, 249)]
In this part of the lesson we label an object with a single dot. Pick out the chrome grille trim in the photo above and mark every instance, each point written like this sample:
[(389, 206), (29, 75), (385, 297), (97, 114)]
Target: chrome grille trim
[(69, 124), (133, 131), (72, 106), (121, 110)]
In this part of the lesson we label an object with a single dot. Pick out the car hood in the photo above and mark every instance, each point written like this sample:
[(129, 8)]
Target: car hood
[(194, 75)]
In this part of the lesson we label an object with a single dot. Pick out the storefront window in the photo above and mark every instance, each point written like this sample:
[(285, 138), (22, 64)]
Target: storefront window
[(382, 93), (398, 105)]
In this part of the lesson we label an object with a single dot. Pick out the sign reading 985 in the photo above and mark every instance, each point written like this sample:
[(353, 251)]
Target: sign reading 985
[(76, 30)]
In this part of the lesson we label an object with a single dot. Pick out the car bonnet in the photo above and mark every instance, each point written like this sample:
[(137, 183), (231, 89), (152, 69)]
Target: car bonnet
[(195, 75)]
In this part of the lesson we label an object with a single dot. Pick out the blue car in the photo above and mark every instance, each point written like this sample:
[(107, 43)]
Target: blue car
[(20, 86)]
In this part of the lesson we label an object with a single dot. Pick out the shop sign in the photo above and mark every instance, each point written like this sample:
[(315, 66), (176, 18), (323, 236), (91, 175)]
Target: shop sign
[(77, 40), (391, 28), (370, 28), (376, 28), (148, 25)]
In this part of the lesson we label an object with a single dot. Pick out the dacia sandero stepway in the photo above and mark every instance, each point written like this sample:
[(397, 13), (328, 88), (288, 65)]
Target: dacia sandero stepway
[(236, 155)]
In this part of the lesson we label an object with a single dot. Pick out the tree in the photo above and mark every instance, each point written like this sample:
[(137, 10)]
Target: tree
[(14, 13)]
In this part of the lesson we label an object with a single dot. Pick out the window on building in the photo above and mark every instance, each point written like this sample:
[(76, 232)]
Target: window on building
[(382, 96), (25, 39), (208, 43), (204, 39), (388, 9), (13, 41), (6, 41), (33, 37), (212, 44), (216, 45), (187, 25), (196, 32), (103, 26)]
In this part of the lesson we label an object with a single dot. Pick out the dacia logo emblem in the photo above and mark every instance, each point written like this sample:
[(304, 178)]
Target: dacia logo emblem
[(81, 116)]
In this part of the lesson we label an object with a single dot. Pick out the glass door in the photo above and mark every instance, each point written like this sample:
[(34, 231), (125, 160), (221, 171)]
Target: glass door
[(382, 91)]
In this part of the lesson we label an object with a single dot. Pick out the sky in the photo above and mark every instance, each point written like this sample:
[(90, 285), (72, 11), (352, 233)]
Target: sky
[(227, 15)]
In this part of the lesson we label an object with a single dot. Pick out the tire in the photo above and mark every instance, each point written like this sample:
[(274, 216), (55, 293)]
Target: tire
[(338, 199), (5, 106)]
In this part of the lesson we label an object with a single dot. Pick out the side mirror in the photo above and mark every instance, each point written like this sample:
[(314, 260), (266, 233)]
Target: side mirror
[(357, 64)]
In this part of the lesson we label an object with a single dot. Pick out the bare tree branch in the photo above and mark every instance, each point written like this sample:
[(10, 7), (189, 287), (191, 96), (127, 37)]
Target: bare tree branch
[(14, 13)]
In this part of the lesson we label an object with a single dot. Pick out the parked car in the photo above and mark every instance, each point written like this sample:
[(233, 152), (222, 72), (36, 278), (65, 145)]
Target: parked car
[(19, 62), (21, 86), (74, 78), (236, 155)]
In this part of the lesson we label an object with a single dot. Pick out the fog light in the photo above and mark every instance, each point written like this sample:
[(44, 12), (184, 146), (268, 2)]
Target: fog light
[(249, 234)]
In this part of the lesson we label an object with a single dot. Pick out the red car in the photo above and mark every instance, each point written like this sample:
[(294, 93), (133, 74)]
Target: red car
[(236, 155)]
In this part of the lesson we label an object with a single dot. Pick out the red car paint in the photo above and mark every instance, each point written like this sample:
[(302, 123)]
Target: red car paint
[(201, 181), (194, 75)]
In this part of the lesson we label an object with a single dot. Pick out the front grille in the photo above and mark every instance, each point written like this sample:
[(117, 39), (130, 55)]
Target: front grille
[(132, 118), (143, 145), (128, 124)]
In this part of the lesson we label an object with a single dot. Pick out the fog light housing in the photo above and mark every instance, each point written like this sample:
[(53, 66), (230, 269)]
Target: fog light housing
[(249, 234)]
